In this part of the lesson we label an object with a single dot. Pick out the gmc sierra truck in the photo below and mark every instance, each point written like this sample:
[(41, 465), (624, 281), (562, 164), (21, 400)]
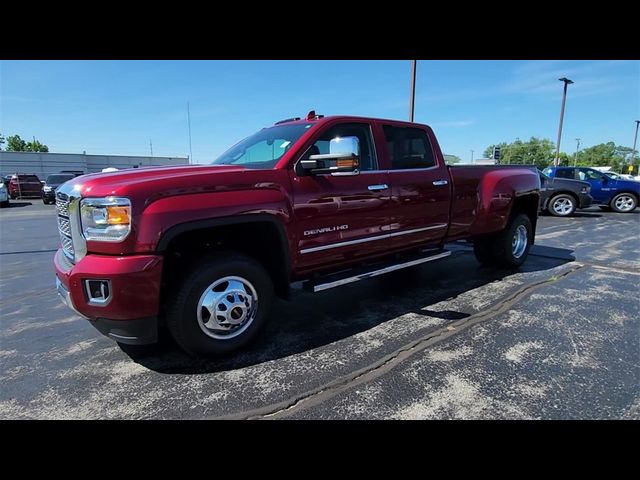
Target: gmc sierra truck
[(200, 251)]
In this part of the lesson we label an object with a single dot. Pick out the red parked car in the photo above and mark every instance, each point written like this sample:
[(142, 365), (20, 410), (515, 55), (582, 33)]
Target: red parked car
[(24, 185), (203, 249)]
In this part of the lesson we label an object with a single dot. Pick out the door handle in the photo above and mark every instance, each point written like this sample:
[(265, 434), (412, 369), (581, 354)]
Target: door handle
[(440, 182), (381, 186)]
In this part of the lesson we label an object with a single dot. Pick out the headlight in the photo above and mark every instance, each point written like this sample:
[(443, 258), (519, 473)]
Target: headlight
[(106, 219), (47, 188)]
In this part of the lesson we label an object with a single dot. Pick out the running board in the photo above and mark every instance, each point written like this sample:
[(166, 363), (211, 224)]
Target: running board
[(343, 278)]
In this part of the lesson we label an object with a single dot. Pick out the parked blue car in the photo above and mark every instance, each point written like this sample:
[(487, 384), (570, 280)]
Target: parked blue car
[(608, 191)]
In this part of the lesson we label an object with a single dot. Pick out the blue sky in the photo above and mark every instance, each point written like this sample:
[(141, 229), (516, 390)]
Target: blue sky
[(116, 107)]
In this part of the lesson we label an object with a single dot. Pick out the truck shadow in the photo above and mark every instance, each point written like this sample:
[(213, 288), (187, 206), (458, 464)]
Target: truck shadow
[(310, 321)]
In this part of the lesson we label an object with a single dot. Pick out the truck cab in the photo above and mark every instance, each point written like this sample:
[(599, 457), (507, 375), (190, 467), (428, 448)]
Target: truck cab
[(608, 191)]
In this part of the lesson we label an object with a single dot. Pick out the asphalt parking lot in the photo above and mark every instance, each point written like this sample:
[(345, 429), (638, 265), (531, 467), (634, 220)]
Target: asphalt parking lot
[(560, 338)]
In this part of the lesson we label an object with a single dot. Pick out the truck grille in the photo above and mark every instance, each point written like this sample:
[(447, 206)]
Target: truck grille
[(64, 227), (63, 207)]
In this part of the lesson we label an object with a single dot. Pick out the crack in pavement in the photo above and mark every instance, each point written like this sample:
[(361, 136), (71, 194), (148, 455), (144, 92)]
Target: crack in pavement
[(388, 362)]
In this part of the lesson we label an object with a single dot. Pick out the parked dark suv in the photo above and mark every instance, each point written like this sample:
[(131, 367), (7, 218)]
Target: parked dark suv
[(50, 185), (561, 197), (24, 185)]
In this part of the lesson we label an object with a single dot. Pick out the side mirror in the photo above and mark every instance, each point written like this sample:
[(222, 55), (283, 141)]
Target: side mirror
[(333, 163), (343, 158)]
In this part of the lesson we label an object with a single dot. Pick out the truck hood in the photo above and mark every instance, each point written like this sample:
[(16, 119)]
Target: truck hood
[(123, 182)]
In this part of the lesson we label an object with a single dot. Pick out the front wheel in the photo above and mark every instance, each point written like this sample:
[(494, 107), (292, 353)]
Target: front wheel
[(624, 203), (221, 305), (562, 205), (4, 204)]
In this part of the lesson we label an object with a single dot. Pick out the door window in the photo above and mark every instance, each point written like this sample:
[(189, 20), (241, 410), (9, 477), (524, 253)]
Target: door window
[(565, 173), (408, 148), (586, 174)]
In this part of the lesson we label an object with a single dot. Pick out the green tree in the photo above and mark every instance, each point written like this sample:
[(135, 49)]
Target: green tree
[(535, 151), (607, 155), (17, 144), (36, 146)]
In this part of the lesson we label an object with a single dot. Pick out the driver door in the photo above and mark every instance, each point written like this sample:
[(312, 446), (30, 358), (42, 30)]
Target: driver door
[(341, 217)]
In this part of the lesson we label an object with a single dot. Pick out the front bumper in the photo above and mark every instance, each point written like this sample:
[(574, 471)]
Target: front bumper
[(49, 196), (130, 316)]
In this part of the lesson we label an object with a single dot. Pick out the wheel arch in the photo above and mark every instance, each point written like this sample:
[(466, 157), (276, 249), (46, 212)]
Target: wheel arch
[(268, 245)]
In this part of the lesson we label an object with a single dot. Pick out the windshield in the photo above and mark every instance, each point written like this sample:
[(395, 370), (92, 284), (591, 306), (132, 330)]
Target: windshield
[(264, 148), (57, 179)]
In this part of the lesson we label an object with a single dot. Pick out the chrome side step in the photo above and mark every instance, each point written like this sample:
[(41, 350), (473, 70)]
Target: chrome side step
[(333, 281)]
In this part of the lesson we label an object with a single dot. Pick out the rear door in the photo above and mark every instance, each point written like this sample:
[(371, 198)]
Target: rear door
[(601, 185), (341, 217), (421, 192)]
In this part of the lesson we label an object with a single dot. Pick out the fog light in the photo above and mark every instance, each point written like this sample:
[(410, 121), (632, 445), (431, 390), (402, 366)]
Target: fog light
[(98, 291)]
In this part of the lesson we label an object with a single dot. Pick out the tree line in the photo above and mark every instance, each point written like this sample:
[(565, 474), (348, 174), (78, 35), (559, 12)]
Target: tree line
[(541, 153), (17, 144)]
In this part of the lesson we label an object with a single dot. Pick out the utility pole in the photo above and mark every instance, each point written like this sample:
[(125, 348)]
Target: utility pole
[(189, 120), (471, 156), (633, 150), (413, 89), (151, 147), (566, 81), (575, 162)]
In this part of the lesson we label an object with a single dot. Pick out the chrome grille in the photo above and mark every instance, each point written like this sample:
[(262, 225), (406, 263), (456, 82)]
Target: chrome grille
[(67, 245), (63, 207), (64, 227)]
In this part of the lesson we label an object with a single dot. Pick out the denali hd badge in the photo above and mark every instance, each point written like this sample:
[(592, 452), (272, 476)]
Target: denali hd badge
[(325, 230)]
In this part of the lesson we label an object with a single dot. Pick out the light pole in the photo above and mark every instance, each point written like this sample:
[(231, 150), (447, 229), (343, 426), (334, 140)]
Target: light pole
[(633, 150), (413, 89), (471, 156), (566, 81), (575, 162)]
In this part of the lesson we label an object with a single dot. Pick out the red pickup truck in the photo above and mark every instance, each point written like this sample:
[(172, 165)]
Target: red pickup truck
[(203, 249)]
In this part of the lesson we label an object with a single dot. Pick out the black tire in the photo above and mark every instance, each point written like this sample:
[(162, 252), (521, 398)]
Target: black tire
[(4, 204), (503, 251), (562, 205), (629, 205), (497, 250), (182, 316)]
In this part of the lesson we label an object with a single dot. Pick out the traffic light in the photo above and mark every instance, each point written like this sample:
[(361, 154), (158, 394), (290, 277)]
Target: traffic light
[(496, 154)]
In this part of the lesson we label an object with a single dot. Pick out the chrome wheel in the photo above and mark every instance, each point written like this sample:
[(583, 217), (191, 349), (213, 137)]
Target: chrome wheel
[(562, 206), (227, 307), (519, 241), (625, 203)]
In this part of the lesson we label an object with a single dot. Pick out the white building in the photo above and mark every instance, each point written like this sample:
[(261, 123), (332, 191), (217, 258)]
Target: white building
[(44, 164)]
